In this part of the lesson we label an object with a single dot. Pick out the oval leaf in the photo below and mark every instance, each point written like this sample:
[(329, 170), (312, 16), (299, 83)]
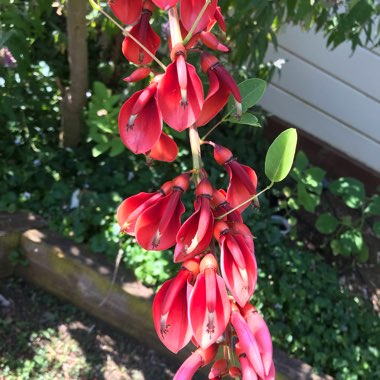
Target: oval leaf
[(251, 91), (326, 223), (247, 119), (280, 155)]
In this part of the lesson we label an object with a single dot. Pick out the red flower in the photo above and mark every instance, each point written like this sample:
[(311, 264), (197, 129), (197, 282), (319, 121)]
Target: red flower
[(140, 120), (158, 225), (209, 306), (218, 369), (190, 10), (132, 207), (170, 308), (197, 359), (221, 206), (145, 34), (138, 74), (127, 11), (165, 4), (221, 86), (165, 149), (196, 233), (180, 94), (243, 179), (238, 264)]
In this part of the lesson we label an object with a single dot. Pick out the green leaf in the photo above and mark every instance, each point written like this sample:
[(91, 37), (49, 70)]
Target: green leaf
[(251, 91), (363, 254), (351, 242), (96, 6), (247, 119), (313, 178), (99, 149), (280, 155), (373, 207), (326, 223), (306, 198), (336, 247), (350, 190), (376, 228), (117, 147), (301, 161)]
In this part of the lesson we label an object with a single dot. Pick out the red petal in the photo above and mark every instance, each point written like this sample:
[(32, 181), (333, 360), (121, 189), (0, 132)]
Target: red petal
[(175, 333), (165, 149), (138, 74), (146, 128), (144, 33), (127, 11), (156, 228), (212, 42), (165, 4), (242, 186), (131, 208), (190, 10), (176, 114), (189, 367), (248, 372)]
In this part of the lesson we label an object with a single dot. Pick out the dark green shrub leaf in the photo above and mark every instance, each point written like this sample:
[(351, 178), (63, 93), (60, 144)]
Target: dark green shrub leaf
[(374, 205), (326, 223), (301, 161), (280, 155), (376, 228), (363, 254), (350, 190), (351, 242), (307, 199)]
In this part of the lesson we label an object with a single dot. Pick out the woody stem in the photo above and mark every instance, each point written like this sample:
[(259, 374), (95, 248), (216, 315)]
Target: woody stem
[(196, 153), (196, 22), (127, 34)]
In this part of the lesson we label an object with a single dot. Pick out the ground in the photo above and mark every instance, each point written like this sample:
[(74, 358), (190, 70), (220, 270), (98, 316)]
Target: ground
[(45, 339)]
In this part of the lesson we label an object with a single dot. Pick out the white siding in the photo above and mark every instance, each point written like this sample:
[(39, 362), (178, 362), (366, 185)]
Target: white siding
[(332, 95)]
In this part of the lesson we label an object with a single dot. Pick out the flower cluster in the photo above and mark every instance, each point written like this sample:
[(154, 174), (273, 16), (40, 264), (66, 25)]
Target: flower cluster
[(207, 303)]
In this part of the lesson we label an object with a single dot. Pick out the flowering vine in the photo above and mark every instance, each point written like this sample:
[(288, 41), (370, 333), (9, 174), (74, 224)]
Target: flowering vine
[(207, 302)]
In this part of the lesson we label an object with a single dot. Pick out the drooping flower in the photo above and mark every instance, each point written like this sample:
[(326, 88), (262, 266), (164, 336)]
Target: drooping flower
[(165, 149), (237, 262), (190, 10), (221, 207), (127, 11), (138, 74), (170, 307), (260, 331), (157, 226), (196, 360), (209, 306), (132, 207), (243, 179), (218, 369), (180, 93), (247, 341), (145, 34), (140, 120), (195, 234), (221, 86)]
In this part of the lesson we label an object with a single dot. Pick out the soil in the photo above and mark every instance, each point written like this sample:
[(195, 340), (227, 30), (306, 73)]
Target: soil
[(43, 338)]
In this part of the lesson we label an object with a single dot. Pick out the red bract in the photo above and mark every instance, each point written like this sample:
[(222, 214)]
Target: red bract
[(127, 11), (243, 179), (221, 86), (247, 341), (190, 10), (165, 149), (170, 307), (158, 225), (180, 94), (262, 335), (212, 42), (197, 359), (140, 121), (196, 233), (238, 264), (209, 307), (145, 34), (132, 207), (165, 4), (138, 74)]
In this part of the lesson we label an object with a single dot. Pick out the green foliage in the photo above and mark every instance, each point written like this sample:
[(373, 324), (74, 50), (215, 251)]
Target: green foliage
[(280, 155), (343, 231)]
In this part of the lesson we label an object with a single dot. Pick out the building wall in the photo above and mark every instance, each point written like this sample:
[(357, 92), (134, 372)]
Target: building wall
[(332, 95)]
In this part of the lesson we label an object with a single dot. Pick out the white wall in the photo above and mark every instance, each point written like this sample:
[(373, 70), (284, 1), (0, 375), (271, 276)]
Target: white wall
[(332, 95)]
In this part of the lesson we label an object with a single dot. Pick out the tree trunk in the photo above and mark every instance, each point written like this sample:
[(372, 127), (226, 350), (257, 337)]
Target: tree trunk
[(74, 97)]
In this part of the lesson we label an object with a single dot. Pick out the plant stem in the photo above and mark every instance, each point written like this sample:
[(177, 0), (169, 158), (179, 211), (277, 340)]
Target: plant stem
[(245, 202), (215, 126), (127, 34), (196, 22), (196, 153)]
